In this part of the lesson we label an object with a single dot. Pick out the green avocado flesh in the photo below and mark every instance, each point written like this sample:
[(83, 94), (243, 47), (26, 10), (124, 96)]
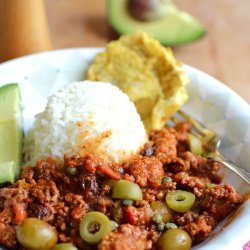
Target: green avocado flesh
[(174, 28), (11, 134), (7, 172)]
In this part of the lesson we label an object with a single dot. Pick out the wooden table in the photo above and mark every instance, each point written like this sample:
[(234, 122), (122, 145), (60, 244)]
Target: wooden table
[(223, 53)]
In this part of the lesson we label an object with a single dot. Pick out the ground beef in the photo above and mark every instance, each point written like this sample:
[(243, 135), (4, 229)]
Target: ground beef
[(119, 241), (193, 183), (147, 171), (198, 225), (62, 195), (201, 227), (44, 191), (177, 165), (220, 201), (138, 215), (186, 218), (77, 205), (103, 204), (164, 144), (152, 194), (7, 235), (127, 237), (203, 167)]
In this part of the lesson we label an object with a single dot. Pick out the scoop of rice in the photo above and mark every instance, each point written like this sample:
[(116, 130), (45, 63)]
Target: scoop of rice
[(86, 117)]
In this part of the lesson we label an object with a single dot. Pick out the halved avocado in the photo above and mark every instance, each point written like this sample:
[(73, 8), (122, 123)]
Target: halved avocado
[(174, 28), (11, 133)]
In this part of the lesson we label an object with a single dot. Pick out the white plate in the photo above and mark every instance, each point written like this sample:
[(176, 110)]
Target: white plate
[(210, 101)]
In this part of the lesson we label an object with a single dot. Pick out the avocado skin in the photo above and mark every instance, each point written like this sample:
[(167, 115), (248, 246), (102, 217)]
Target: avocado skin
[(11, 134), (175, 28)]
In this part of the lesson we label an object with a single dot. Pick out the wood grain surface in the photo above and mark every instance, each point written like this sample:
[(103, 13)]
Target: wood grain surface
[(223, 53)]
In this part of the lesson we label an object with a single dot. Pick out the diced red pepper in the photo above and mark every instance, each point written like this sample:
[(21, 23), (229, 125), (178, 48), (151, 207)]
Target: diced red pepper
[(20, 213), (109, 172), (131, 215)]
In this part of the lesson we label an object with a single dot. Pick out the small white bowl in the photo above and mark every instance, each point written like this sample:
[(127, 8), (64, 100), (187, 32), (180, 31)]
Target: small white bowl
[(210, 102)]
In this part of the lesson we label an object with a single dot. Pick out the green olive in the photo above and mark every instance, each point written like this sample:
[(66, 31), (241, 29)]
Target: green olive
[(91, 219), (126, 190), (174, 239), (180, 201), (195, 144), (36, 234), (65, 246), (160, 207)]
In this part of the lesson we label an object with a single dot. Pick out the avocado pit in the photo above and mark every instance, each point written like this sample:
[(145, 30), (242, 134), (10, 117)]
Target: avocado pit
[(147, 10)]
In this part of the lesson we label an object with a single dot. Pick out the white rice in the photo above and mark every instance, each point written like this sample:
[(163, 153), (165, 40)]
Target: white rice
[(93, 117)]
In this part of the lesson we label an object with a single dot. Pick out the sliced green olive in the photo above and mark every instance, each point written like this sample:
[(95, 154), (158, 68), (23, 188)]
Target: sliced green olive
[(126, 190), (174, 239), (195, 144), (98, 220), (65, 246), (160, 207), (180, 201), (35, 234)]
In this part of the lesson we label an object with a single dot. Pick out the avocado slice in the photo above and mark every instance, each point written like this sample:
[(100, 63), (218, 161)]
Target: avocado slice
[(7, 170), (11, 135), (174, 28)]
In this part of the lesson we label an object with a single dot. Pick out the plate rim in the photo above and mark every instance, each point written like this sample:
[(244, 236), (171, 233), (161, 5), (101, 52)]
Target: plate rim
[(188, 67)]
